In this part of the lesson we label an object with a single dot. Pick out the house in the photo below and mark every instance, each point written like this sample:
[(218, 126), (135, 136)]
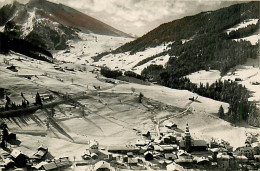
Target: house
[(170, 156), (225, 161), (124, 149), (102, 166), (63, 162), (171, 125), (246, 151), (8, 163), (94, 156), (130, 154), (241, 159), (41, 153), (19, 158), (132, 161), (48, 166), (256, 148), (174, 167), (202, 160), (169, 148), (169, 139), (93, 146), (183, 155)]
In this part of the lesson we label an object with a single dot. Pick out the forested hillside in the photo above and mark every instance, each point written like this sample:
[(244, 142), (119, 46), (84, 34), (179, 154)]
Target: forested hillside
[(201, 42)]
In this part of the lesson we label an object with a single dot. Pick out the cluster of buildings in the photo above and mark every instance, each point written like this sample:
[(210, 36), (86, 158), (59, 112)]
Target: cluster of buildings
[(175, 149), (171, 149)]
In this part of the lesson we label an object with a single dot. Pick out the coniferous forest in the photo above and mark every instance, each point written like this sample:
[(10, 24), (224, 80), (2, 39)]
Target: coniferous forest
[(209, 46)]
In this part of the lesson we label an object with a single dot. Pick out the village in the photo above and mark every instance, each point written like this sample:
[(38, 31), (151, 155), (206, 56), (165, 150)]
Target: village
[(171, 149)]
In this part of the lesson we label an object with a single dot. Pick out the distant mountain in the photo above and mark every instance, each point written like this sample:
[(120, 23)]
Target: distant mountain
[(202, 41), (50, 25), (191, 27)]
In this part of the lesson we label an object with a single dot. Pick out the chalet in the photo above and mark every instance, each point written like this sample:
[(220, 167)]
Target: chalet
[(93, 146), (169, 139), (48, 166), (256, 148), (124, 149), (169, 148), (202, 160), (183, 155), (241, 159), (41, 153), (246, 151), (170, 156), (174, 167), (132, 161), (94, 156), (102, 166), (19, 158), (171, 125), (225, 161), (63, 162), (130, 154), (8, 163)]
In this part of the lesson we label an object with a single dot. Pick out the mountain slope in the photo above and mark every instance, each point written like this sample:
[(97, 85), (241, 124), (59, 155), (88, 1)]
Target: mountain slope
[(195, 43), (50, 25), (191, 26)]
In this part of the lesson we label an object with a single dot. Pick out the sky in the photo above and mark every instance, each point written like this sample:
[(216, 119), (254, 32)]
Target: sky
[(138, 17)]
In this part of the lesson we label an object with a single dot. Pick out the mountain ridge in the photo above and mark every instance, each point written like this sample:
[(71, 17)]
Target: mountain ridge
[(50, 25)]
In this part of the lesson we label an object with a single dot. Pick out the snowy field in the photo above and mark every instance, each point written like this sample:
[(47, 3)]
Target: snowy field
[(126, 61), (90, 45), (111, 113), (249, 73), (243, 24)]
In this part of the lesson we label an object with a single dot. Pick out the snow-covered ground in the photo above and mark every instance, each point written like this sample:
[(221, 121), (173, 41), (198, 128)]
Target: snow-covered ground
[(249, 76), (80, 52), (110, 117), (203, 123), (162, 60), (249, 73), (253, 39), (204, 76), (125, 61), (27, 27), (243, 24)]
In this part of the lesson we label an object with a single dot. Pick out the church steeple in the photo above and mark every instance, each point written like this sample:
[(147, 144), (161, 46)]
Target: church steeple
[(187, 139)]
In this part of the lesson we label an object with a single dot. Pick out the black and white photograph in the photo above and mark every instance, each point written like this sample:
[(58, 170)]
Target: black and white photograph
[(121, 85)]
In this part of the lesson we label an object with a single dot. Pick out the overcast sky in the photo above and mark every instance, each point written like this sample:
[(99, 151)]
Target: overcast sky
[(138, 16)]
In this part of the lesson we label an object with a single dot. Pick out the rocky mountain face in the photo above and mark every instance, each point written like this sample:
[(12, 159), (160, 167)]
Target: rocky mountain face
[(50, 25)]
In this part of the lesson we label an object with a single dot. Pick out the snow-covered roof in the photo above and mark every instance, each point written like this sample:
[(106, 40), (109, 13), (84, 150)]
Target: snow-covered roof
[(102, 165)]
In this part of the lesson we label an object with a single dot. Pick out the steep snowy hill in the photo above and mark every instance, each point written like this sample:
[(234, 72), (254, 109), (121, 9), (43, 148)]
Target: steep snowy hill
[(50, 25)]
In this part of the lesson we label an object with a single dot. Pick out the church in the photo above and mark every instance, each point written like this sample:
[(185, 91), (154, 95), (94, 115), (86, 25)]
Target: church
[(188, 144)]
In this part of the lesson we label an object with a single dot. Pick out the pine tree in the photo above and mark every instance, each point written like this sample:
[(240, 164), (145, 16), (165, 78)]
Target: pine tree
[(140, 97), (8, 100), (38, 99), (221, 112)]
